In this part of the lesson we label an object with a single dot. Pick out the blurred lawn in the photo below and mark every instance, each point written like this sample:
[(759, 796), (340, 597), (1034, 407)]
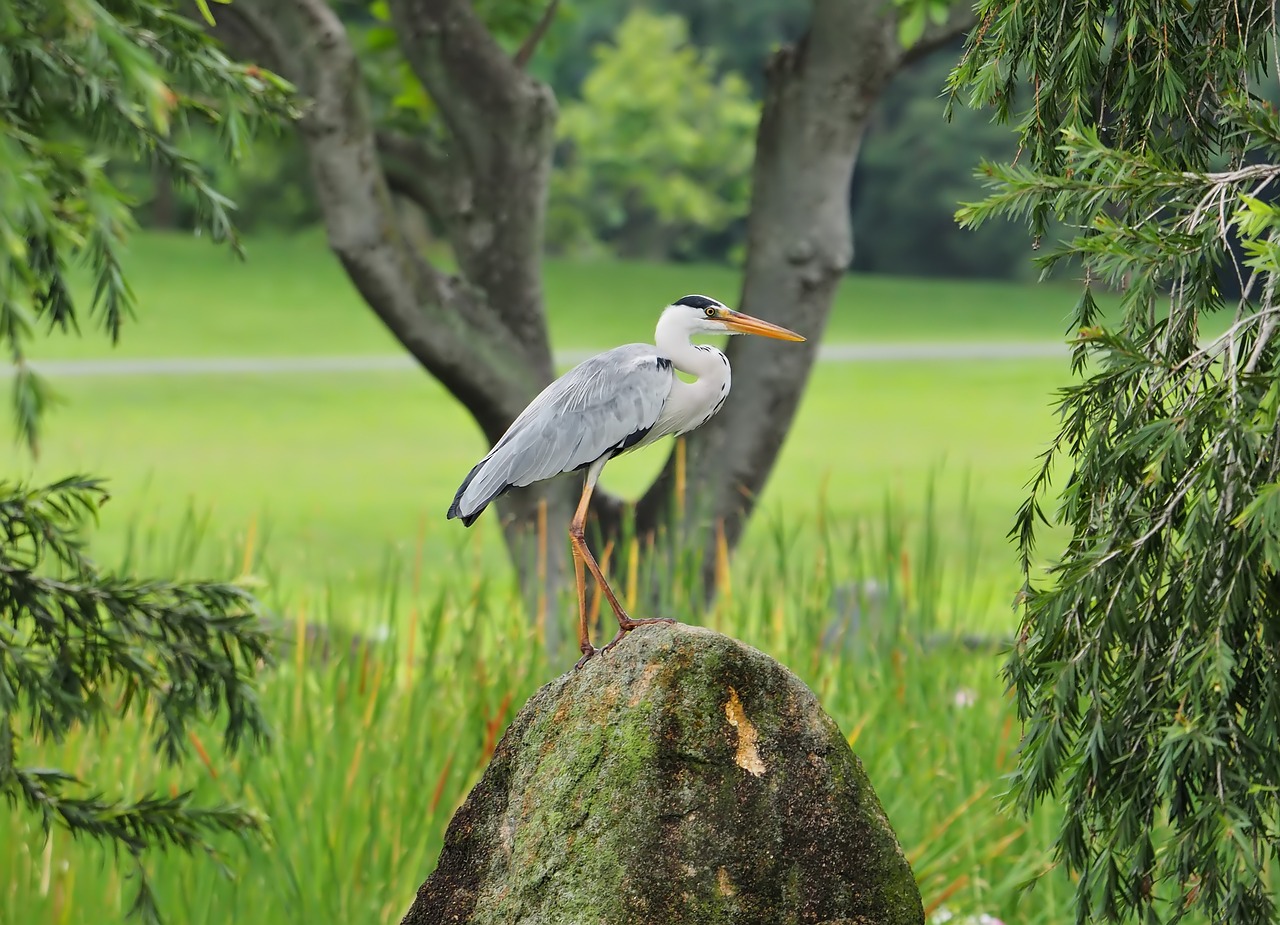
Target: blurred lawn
[(291, 297), (338, 469)]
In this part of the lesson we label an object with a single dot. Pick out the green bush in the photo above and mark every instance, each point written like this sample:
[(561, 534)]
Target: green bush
[(655, 159)]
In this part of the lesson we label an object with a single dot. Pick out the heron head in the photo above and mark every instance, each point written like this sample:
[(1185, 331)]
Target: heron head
[(704, 315)]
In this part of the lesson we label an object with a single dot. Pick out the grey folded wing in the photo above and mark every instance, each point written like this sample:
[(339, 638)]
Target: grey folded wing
[(604, 405)]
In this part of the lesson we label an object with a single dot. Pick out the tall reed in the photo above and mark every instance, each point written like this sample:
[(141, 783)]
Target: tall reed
[(387, 708)]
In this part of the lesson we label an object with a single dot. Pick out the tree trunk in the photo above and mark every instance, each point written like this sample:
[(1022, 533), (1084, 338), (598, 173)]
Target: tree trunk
[(483, 175), (819, 96), (480, 169)]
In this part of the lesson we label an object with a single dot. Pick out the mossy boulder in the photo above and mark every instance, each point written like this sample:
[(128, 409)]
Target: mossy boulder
[(685, 778)]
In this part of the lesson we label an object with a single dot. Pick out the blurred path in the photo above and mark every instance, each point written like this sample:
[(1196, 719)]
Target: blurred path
[(224, 366)]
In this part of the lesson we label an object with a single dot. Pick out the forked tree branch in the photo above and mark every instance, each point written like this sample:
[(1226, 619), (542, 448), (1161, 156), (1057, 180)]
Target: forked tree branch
[(498, 131), (416, 169), (459, 62), (443, 323)]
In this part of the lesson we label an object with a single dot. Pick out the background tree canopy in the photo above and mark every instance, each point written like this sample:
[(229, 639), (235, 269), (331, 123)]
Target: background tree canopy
[(913, 167), (655, 158)]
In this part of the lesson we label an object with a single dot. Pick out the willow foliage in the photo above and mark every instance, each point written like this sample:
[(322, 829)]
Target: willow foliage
[(83, 82), (1147, 668)]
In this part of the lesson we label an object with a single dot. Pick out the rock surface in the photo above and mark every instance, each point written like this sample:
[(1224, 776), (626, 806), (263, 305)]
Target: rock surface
[(685, 778)]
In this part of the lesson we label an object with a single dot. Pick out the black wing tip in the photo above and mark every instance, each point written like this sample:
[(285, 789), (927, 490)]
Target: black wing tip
[(455, 509), (467, 520), (455, 513)]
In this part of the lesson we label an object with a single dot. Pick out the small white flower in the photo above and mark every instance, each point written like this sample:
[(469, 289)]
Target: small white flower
[(943, 914), (965, 697)]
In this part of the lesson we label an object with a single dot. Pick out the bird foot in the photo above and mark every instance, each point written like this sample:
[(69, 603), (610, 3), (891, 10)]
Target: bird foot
[(588, 650), (627, 626)]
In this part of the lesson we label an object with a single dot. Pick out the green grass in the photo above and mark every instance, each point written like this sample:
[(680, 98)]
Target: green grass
[(291, 297), (332, 489), (342, 470), (338, 471), (376, 748)]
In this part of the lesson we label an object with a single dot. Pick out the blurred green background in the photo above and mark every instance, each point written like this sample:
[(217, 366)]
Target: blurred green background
[(257, 422), (320, 458)]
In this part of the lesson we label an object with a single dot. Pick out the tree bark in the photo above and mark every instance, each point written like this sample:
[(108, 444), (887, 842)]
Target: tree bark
[(819, 96), (164, 199)]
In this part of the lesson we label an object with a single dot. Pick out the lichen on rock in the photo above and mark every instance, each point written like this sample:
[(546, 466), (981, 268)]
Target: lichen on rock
[(686, 778)]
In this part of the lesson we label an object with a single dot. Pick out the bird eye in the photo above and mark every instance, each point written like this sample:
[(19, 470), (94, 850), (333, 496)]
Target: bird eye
[(711, 312)]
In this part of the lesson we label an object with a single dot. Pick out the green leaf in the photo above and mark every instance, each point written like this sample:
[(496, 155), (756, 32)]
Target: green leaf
[(911, 24)]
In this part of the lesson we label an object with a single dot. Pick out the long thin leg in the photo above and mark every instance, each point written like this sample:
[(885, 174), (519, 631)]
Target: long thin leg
[(584, 633), (581, 554)]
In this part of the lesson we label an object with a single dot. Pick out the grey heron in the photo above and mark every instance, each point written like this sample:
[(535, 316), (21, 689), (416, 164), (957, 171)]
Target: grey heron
[(613, 403)]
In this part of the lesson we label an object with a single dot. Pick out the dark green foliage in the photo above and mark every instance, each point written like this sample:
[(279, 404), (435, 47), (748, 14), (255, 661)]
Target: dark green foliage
[(79, 648), (1147, 669), (79, 84), (913, 169)]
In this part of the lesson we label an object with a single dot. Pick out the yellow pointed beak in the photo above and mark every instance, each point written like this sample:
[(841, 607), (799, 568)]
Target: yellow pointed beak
[(746, 324)]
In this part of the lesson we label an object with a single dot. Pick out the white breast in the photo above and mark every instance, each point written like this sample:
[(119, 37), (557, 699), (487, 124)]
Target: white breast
[(692, 404)]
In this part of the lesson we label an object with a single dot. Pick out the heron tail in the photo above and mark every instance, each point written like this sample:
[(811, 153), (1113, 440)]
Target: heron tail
[(467, 506)]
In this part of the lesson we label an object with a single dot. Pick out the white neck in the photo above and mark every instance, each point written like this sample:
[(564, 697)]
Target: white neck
[(691, 403), (672, 339)]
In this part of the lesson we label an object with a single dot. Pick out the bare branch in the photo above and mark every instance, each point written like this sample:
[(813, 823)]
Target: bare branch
[(499, 131), (252, 37), (936, 35), (535, 37), (456, 58)]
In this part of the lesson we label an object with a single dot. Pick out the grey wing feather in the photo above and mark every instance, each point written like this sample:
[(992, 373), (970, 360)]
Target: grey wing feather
[(606, 403)]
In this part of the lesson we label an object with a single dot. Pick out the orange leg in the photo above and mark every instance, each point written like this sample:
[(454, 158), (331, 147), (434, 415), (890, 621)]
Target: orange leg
[(582, 556), (584, 633)]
